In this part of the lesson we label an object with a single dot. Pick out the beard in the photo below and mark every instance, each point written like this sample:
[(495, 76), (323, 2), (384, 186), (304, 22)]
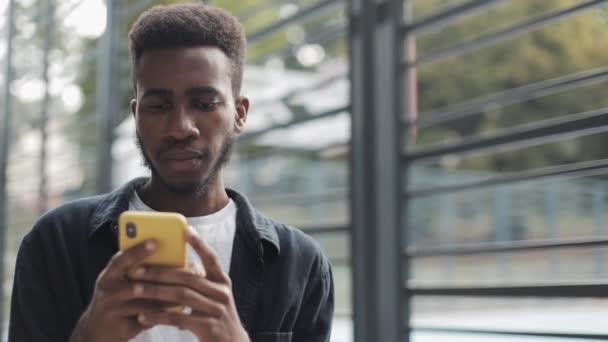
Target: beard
[(195, 189)]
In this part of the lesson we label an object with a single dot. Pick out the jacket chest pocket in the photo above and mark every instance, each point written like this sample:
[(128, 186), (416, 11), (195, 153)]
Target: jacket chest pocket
[(271, 337)]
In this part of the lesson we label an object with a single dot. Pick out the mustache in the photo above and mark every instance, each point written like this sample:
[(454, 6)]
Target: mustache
[(172, 148)]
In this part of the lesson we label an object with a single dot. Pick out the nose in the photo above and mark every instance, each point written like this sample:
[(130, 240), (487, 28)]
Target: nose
[(181, 124)]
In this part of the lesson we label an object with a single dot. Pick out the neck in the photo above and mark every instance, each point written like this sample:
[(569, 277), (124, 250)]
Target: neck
[(158, 197)]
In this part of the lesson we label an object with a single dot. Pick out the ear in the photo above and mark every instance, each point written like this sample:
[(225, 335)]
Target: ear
[(242, 107), (133, 106)]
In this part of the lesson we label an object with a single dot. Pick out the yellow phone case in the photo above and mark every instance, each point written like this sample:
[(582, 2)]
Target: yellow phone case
[(168, 229)]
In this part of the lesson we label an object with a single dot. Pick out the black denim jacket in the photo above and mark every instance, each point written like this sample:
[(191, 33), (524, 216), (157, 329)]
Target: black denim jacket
[(282, 282)]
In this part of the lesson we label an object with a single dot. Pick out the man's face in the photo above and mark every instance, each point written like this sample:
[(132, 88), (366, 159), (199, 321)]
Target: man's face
[(187, 117)]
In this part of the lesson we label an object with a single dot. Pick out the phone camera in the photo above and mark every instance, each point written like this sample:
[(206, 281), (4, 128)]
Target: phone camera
[(131, 230)]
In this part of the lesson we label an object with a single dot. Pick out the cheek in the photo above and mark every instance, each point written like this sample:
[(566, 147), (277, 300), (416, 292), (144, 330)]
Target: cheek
[(146, 135), (145, 125), (215, 128), (151, 124)]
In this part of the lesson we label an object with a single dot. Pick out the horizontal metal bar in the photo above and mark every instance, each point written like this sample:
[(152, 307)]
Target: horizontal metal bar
[(304, 14), (326, 81), (545, 174), (447, 16), (327, 35), (317, 230), (322, 152), (291, 198), (256, 9), (502, 247), (512, 96), (569, 290), (564, 335), (537, 133), (248, 137), (299, 152), (501, 35)]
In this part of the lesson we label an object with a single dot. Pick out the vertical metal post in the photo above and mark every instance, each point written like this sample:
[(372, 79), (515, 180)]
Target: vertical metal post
[(5, 129), (446, 232), (552, 219), (106, 98), (377, 88), (318, 185), (503, 225), (503, 212), (599, 213), (48, 25), (412, 78)]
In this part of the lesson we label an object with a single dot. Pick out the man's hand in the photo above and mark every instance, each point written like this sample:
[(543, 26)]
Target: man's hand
[(112, 314), (214, 316)]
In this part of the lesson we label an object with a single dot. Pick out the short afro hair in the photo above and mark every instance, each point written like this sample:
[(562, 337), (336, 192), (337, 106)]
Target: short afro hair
[(189, 25)]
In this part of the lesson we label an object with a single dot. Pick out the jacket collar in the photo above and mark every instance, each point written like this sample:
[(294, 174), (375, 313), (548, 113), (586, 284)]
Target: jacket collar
[(112, 205), (254, 226)]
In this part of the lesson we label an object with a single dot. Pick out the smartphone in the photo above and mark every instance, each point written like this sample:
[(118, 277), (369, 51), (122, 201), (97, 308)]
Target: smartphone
[(167, 229)]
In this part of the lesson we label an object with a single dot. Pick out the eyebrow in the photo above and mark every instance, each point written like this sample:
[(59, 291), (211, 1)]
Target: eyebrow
[(202, 90), (156, 92), (198, 90)]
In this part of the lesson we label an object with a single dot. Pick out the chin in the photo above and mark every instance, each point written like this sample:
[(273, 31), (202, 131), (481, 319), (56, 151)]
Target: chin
[(187, 188), (188, 185)]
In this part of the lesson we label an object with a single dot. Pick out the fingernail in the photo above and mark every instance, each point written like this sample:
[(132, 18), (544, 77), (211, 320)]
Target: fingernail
[(138, 289), (141, 318), (139, 272), (151, 245)]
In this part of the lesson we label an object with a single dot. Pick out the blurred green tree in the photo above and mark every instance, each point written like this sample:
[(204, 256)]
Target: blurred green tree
[(571, 45)]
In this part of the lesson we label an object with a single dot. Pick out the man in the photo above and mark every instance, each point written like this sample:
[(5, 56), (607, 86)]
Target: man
[(259, 280)]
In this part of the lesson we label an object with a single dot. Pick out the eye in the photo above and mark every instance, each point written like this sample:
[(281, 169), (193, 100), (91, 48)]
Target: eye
[(206, 105), (158, 107)]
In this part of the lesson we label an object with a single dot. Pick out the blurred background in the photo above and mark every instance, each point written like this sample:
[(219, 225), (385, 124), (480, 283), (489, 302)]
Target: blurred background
[(448, 155)]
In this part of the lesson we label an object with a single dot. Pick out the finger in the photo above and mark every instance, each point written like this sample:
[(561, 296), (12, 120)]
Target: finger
[(123, 261), (179, 295), (182, 321), (128, 292), (197, 268), (210, 260), (161, 274), (138, 306), (182, 277)]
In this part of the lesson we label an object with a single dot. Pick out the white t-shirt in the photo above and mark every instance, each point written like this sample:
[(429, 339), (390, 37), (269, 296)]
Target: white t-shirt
[(218, 231)]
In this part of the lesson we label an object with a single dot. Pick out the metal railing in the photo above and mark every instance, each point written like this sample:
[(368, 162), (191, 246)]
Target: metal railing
[(509, 139)]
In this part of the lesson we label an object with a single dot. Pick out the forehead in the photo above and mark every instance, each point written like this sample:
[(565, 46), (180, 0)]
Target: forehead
[(183, 66)]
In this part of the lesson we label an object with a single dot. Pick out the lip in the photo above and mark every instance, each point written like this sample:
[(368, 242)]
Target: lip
[(182, 160), (181, 155), (183, 164)]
